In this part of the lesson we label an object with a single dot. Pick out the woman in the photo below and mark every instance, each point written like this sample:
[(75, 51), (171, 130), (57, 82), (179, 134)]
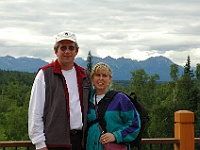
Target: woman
[(122, 119)]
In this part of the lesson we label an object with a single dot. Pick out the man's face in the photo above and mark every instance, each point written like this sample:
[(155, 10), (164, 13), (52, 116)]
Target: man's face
[(66, 52)]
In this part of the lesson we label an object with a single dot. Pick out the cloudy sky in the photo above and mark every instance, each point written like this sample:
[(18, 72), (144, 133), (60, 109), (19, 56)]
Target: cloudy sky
[(117, 28)]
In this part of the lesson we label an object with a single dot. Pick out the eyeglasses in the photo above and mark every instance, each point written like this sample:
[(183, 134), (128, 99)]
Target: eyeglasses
[(70, 48)]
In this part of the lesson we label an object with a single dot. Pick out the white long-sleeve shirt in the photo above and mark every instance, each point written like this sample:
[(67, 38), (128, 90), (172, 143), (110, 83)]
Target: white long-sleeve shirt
[(35, 114)]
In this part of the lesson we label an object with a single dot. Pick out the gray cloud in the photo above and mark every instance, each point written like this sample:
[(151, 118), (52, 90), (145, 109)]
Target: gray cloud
[(127, 28)]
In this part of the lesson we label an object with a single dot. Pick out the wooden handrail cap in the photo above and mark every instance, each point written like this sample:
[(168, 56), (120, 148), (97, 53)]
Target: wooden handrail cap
[(184, 116)]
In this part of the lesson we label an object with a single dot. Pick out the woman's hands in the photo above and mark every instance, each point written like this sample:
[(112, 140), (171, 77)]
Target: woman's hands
[(106, 138)]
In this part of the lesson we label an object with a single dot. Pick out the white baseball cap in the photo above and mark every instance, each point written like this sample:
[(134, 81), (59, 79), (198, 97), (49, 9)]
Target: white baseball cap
[(66, 35)]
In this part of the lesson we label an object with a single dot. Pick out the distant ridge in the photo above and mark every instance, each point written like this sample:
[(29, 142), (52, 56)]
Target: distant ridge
[(121, 67), (23, 64)]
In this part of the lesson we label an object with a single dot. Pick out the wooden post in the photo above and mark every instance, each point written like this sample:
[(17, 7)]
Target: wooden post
[(184, 130)]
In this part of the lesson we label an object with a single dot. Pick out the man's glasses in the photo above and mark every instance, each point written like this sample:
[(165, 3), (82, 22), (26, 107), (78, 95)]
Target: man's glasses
[(70, 48)]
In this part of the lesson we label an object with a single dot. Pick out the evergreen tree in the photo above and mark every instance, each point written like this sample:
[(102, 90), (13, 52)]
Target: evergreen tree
[(174, 72), (198, 71), (187, 91), (89, 61), (187, 68)]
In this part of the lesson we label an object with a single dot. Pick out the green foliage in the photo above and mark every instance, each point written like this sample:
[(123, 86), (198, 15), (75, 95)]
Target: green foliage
[(174, 72), (15, 90), (16, 122), (197, 72), (144, 86)]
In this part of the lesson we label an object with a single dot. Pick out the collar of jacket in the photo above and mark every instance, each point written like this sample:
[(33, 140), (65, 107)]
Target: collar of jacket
[(57, 69)]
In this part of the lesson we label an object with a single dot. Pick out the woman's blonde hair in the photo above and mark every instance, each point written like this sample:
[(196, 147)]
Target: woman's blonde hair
[(101, 65)]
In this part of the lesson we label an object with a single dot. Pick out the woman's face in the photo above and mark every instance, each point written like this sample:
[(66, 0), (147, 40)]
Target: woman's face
[(101, 81)]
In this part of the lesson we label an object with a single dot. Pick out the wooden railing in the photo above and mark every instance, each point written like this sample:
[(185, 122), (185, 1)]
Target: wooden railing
[(183, 135), (16, 144)]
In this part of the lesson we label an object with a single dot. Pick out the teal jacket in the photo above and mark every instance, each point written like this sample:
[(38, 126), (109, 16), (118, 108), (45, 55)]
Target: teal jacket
[(122, 120)]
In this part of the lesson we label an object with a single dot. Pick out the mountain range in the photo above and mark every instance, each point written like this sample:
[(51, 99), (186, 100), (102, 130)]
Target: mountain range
[(121, 67)]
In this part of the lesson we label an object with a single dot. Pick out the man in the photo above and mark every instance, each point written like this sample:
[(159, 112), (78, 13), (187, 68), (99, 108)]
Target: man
[(59, 100)]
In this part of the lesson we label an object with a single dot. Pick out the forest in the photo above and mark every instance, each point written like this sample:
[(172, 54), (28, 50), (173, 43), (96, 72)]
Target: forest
[(160, 99)]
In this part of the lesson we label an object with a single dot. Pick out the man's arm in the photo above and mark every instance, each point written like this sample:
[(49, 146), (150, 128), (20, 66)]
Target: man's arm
[(35, 112)]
